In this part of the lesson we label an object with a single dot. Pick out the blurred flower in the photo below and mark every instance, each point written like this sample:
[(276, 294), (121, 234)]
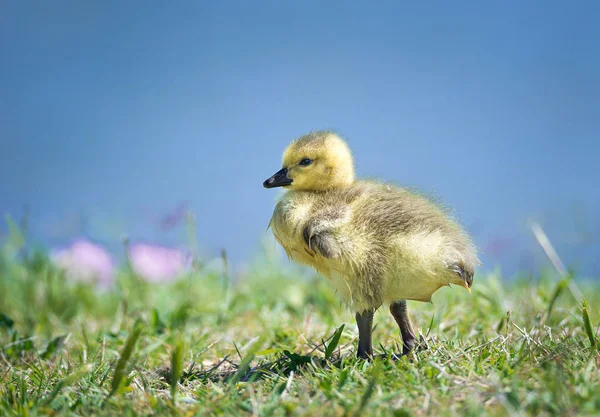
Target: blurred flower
[(172, 219), (158, 263), (497, 246), (85, 261)]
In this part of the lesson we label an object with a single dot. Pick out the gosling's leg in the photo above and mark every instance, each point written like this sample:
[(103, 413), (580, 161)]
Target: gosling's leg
[(398, 310), (364, 321)]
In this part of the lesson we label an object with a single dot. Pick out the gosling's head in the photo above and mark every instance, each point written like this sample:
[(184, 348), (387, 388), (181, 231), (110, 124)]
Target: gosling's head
[(318, 161)]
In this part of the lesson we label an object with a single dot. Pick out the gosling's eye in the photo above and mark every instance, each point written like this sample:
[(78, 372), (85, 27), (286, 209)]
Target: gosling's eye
[(305, 162)]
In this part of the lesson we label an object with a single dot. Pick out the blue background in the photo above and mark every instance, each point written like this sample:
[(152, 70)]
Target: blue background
[(113, 114)]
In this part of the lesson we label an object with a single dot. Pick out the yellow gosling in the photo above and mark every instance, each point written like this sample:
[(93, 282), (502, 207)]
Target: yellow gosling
[(376, 243)]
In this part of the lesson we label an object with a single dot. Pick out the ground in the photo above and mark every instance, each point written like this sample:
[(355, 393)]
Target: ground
[(277, 342)]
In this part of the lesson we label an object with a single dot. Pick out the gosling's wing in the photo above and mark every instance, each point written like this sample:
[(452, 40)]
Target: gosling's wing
[(320, 232), (324, 242)]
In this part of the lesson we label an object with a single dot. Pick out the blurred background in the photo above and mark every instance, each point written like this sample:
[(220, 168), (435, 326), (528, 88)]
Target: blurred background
[(133, 118)]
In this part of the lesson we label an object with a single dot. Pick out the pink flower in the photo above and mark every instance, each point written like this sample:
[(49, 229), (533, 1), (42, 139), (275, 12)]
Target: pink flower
[(85, 261), (173, 218), (498, 246), (158, 263)]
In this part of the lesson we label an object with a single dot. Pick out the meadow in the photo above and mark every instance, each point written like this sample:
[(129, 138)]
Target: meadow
[(276, 341)]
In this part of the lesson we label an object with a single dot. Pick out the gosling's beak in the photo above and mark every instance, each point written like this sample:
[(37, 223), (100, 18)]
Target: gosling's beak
[(280, 179), (466, 286)]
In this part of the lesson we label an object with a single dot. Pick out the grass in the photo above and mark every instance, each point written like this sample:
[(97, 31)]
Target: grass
[(277, 343)]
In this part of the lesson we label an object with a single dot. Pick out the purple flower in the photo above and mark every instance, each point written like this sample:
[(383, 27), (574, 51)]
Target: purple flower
[(158, 263), (85, 261), (172, 219), (498, 246)]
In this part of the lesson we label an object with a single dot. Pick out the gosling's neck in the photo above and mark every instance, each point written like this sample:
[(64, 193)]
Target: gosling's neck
[(322, 187)]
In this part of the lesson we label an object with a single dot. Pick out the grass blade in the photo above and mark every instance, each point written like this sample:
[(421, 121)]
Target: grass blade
[(176, 367), (55, 345), (551, 253), (6, 322), (335, 340), (120, 369), (587, 323), (245, 364), (369, 390), (560, 287), (15, 240), (68, 380)]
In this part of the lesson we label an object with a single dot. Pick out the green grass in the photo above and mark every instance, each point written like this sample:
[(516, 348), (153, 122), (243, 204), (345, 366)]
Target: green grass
[(272, 343)]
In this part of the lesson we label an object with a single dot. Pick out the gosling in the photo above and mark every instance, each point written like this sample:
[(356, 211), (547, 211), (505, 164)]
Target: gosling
[(375, 242)]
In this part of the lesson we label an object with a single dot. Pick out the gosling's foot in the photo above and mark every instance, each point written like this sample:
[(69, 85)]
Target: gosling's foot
[(364, 355), (393, 356), (364, 320), (408, 346), (411, 345)]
